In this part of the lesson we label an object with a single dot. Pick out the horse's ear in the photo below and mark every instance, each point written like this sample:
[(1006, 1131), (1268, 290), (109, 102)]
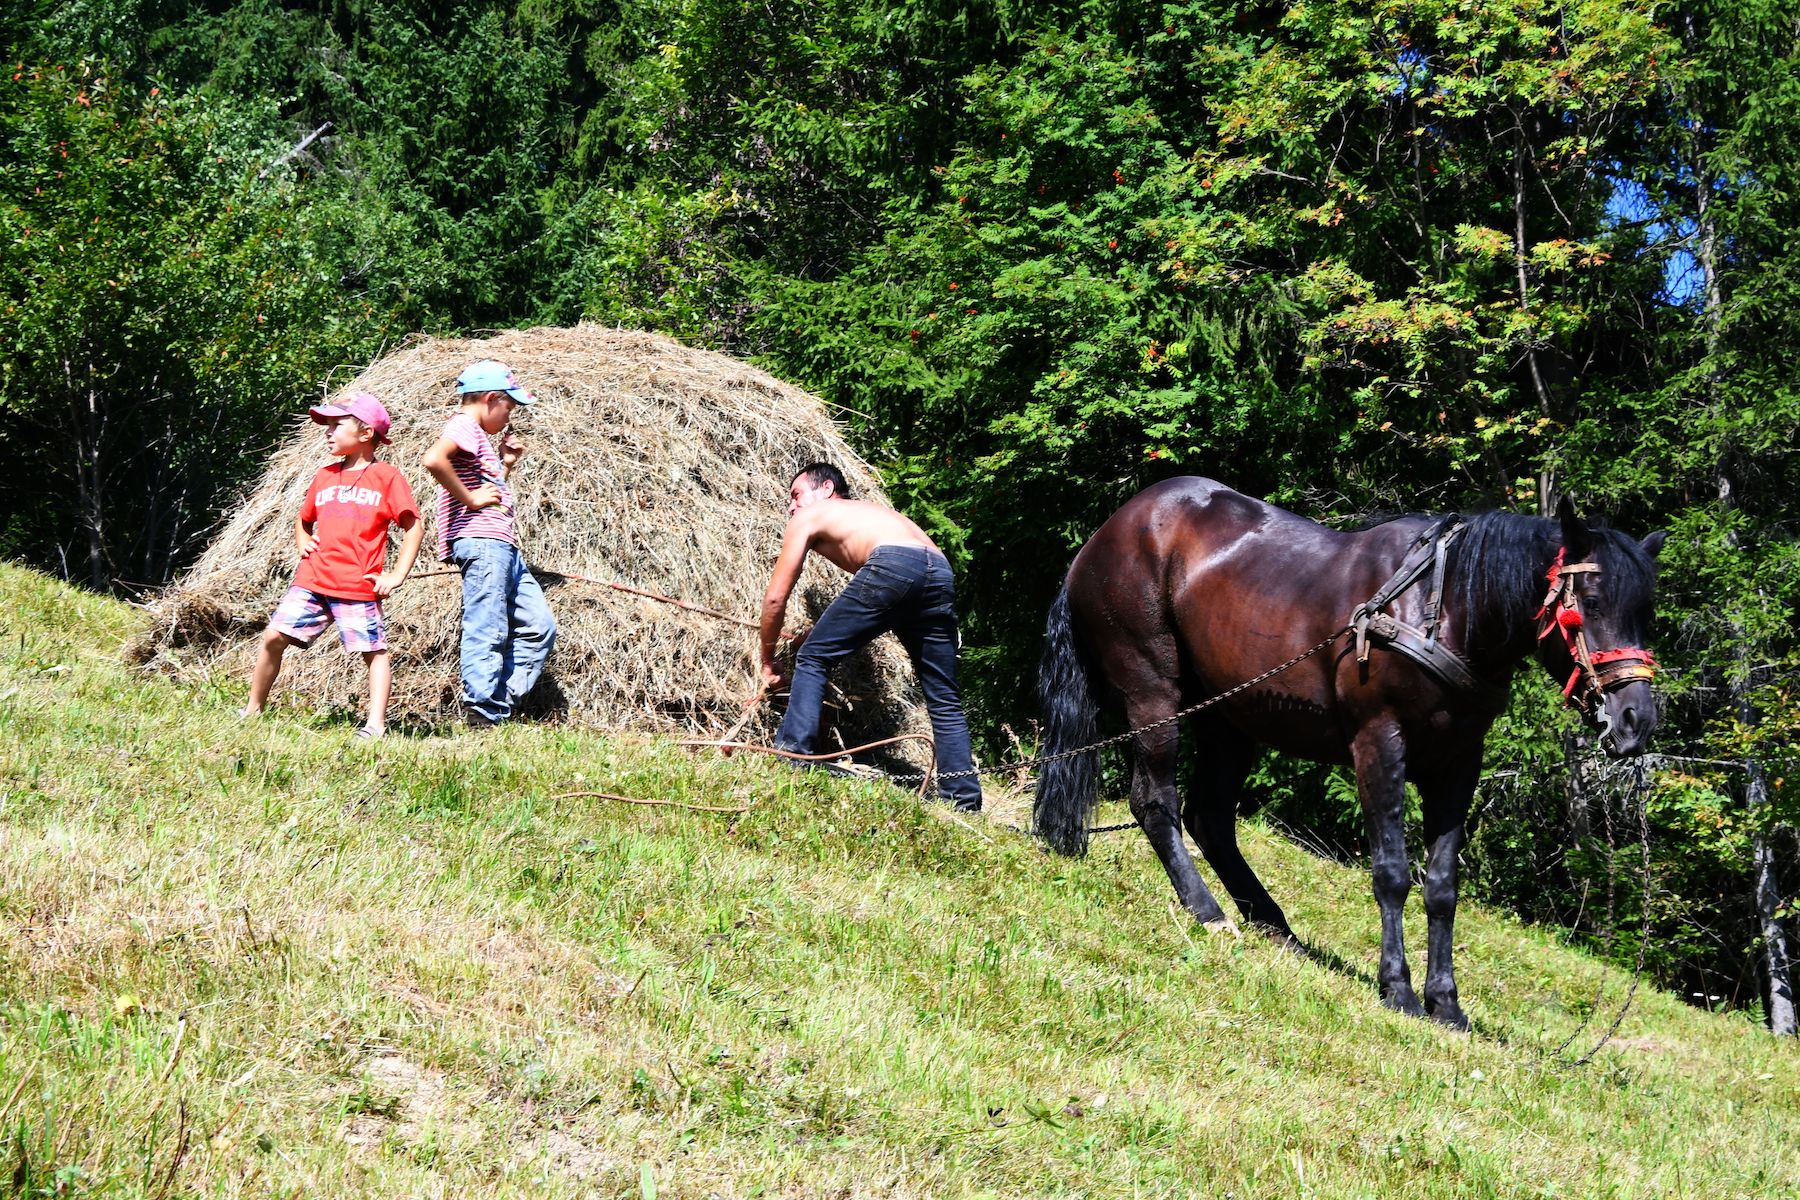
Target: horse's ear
[(1575, 534), (1653, 544)]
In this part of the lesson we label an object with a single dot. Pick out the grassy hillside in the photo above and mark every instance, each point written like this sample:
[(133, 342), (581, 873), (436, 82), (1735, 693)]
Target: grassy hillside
[(258, 958)]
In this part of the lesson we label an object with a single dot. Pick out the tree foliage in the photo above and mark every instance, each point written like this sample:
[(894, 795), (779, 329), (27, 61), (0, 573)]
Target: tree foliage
[(160, 295)]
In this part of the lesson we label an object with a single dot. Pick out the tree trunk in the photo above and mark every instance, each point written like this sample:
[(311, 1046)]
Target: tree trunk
[(87, 424), (1768, 888), (1522, 257), (1756, 788), (1763, 865)]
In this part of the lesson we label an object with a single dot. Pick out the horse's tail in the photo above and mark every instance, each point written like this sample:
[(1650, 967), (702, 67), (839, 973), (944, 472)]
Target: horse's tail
[(1065, 787)]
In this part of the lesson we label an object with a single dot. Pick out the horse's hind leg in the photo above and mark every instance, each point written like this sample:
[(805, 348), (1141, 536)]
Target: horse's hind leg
[(1446, 803), (1155, 802), (1222, 761)]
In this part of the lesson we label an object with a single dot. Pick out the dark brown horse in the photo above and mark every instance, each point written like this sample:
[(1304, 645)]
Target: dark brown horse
[(1192, 588)]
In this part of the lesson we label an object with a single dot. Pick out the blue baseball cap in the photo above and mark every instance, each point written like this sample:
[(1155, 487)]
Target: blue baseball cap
[(491, 375)]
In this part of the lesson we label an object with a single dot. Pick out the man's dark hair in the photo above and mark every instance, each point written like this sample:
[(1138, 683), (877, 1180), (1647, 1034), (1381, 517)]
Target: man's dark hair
[(820, 473)]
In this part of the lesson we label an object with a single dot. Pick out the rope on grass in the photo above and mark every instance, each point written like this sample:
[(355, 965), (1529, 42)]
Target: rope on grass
[(729, 746), (924, 777), (712, 808), (795, 756)]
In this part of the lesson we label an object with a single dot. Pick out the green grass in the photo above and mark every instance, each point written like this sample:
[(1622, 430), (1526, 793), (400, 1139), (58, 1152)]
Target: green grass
[(259, 958)]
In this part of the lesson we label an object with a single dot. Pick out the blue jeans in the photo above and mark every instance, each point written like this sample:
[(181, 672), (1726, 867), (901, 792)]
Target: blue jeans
[(507, 629), (909, 590)]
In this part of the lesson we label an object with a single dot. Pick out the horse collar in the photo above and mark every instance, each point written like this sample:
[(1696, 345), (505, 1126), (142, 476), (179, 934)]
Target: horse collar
[(1426, 559)]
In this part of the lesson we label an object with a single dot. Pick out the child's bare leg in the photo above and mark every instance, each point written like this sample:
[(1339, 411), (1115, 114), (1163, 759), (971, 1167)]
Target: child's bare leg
[(269, 650), (381, 683)]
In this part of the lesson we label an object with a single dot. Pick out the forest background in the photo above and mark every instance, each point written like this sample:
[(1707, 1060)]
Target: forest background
[(1353, 256)]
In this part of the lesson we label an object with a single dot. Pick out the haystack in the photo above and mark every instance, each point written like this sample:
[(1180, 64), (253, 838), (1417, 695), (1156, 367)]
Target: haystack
[(649, 464)]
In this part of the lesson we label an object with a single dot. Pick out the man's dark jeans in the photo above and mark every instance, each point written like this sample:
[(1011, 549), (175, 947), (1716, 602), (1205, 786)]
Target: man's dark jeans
[(909, 590)]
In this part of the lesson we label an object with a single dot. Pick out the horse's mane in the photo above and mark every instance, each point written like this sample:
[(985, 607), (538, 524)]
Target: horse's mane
[(1496, 574), (1363, 522)]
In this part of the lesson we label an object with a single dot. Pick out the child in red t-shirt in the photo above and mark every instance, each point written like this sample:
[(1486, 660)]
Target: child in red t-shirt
[(342, 538)]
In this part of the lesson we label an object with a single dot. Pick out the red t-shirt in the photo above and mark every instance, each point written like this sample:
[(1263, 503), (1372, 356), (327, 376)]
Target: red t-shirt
[(350, 511)]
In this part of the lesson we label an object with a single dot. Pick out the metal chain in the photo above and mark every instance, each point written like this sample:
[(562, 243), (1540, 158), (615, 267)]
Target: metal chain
[(1638, 789), (1191, 709)]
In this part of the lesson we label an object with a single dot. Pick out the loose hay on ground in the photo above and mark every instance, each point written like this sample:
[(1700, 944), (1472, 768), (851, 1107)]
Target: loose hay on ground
[(649, 463)]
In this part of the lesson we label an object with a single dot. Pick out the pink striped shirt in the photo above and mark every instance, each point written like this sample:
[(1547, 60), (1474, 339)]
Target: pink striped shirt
[(475, 462)]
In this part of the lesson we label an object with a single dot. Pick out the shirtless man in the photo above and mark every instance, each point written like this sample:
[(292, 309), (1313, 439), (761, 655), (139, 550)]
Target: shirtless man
[(900, 581)]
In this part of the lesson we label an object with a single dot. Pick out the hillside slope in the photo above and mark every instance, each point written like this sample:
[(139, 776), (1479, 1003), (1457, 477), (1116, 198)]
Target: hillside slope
[(258, 958)]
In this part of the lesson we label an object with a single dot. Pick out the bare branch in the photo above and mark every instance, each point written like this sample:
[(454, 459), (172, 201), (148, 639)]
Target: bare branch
[(306, 141)]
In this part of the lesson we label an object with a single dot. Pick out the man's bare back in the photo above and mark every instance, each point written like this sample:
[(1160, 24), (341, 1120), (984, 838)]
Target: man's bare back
[(843, 531), (846, 532)]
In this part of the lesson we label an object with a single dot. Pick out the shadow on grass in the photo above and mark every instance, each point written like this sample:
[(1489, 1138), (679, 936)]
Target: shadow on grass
[(1331, 960), (1325, 956)]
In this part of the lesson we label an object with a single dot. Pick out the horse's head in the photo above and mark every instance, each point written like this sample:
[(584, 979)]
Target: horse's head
[(1594, 627)]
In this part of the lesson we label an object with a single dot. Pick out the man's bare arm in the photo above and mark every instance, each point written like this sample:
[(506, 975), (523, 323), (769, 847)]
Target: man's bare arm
[(795, 542)]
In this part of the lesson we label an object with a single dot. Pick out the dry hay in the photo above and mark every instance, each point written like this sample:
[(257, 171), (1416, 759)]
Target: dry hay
[(648, 463)]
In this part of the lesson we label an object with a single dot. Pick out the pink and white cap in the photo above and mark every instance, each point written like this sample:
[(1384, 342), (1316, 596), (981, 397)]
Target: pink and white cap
[(360, 405)]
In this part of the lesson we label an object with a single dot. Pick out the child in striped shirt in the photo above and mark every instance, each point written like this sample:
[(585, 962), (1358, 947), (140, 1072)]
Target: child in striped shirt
[(507, 628)]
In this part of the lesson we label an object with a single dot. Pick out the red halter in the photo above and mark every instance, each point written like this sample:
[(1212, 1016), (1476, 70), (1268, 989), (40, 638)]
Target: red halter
[(1600, 670)]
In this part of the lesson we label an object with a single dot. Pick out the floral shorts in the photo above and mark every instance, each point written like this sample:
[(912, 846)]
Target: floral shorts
[(303, 614)]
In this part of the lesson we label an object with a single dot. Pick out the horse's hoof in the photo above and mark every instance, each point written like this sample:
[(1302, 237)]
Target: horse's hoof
[(1223, 925), (1284, 939), (1404, 1002), (1450, 1017)]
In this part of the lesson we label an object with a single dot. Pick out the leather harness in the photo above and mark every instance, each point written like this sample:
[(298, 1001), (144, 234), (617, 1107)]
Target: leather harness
[(1596, 671), (1599, 670), (1425, 559)]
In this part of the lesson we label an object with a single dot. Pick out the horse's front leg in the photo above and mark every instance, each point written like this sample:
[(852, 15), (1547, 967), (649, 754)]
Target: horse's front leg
[(1446, 802), (1155, 804), (1379, 752)]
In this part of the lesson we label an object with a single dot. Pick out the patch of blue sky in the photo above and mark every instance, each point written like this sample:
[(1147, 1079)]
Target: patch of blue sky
[(1669, 236), (1410, 74)]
